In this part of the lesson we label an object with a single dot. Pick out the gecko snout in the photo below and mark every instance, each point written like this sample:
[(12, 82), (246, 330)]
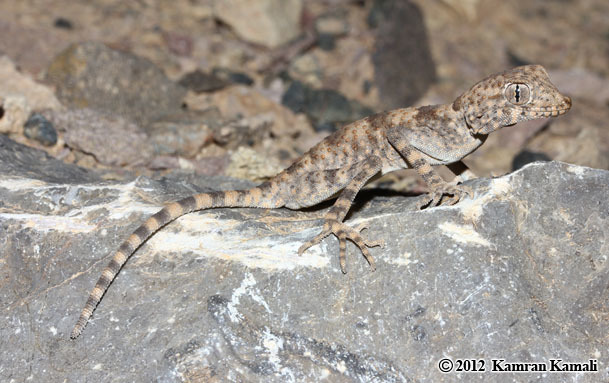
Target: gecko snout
[(565, 105)]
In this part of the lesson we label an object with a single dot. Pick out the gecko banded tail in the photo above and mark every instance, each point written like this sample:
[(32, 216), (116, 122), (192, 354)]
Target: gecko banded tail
[(264, 196)]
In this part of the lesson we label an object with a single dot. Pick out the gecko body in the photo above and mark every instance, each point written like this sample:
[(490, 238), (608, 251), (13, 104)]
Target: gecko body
[(346, 160)]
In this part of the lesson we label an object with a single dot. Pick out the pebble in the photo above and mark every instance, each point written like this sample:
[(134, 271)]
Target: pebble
[(270, 23), (200, 82), (63, 23), (327, 108), (40, 129)]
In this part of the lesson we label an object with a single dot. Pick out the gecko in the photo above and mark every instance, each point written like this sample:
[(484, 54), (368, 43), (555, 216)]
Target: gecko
[(342, 163)]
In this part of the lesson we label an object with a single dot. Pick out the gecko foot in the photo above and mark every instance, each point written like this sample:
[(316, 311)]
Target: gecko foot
[(344, 232), (446, 195)]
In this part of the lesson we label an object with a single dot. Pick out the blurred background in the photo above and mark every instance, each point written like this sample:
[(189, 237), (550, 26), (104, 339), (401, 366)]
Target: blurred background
[(243, 87)]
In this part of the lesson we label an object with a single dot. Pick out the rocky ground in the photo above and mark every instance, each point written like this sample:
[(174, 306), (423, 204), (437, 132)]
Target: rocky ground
[(217, 94)]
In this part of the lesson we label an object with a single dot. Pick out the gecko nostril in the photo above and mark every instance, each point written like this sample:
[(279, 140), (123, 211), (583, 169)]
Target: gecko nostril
[(567, 101)]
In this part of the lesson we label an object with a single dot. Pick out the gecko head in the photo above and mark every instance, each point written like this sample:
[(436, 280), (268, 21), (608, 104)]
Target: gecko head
[(504, 99)]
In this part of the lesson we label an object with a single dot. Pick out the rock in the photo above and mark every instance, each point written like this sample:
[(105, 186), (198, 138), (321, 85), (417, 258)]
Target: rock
[(91, 75), (404, 68), (63, 23), (32, 47), (110, 138), (183, 134), (327, 108), (40, 129), (516, 273), (15, 83), (244, 132), (246, 163), (526, 157), (232, 76), (14, 111), (266, 22), (200, 82), (219, 78), (36, 167), (243, 105)]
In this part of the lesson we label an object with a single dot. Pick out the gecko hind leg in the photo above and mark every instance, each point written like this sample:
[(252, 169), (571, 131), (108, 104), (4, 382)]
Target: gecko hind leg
[(333, 220)]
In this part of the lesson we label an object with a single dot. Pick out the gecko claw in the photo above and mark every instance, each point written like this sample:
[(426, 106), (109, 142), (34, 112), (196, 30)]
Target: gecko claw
[(446, 195), (379, 242)]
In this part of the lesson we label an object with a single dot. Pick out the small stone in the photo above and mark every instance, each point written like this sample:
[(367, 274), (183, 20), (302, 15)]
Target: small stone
[(183, 134), (328, 109), (526, 157), (199, 82), (62, 23), (40, 129), (233, 77), (266, 22)]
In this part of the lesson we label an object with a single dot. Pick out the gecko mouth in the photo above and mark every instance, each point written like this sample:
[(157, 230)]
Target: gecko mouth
[(549, 112), (557, 109)]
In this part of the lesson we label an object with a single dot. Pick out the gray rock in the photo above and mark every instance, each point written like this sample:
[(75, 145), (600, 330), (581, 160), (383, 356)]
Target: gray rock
[(519, 273), (110, 138), (403, 65), (327, 108), (183, 134), (32, 165), (38, 128), (199, 82), (91, 75), (266, 22)]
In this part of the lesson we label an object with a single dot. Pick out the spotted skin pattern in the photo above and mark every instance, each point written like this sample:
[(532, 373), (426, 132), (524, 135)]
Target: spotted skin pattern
[(345, 161)]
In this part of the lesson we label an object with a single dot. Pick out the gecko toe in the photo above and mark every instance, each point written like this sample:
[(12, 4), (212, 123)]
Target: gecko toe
[(446, 195), (344, 233)]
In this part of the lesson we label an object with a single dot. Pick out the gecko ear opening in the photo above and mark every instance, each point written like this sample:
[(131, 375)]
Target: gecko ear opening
[(475, 123), (481, 124)]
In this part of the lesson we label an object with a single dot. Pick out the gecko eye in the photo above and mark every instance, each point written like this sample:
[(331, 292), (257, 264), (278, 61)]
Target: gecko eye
[(517, 94)]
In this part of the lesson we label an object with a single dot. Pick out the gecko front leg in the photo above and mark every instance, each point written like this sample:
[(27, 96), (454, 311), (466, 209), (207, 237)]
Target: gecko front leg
[(333, 220), (440, 191)]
